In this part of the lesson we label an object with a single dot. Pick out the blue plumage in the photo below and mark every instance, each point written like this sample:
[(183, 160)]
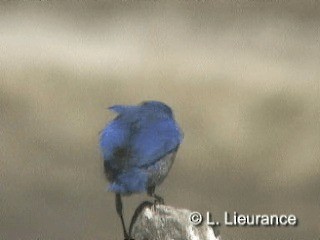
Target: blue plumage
[(139, 146)]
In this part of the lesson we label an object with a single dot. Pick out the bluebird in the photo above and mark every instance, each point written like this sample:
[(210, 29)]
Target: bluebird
[(139, 147)]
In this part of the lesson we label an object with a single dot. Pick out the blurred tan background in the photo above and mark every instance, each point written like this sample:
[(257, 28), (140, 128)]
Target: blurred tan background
[(242, 77)]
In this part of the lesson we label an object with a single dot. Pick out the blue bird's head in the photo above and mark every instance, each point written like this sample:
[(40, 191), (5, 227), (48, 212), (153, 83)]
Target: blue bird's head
[(157, 107), (146, 107)]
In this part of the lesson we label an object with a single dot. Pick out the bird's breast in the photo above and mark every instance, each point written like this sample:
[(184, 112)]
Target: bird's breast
[(158, 171)]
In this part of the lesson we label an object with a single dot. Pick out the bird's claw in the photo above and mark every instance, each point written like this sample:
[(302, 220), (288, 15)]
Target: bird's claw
[(127, 237), (158, 200)]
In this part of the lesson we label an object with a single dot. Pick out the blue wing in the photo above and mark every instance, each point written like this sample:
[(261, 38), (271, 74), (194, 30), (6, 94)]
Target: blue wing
[(116, 134), (154, 140), (114, 137)]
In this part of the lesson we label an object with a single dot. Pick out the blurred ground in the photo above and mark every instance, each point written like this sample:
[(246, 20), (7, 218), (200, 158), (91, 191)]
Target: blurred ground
[(242, 78)]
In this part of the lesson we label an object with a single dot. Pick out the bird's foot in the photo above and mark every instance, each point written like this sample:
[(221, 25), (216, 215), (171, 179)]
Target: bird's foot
[(127, 237), (158, 200)]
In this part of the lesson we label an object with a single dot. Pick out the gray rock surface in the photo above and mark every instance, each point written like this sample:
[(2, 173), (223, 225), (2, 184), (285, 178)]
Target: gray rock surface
[(161, 222)]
